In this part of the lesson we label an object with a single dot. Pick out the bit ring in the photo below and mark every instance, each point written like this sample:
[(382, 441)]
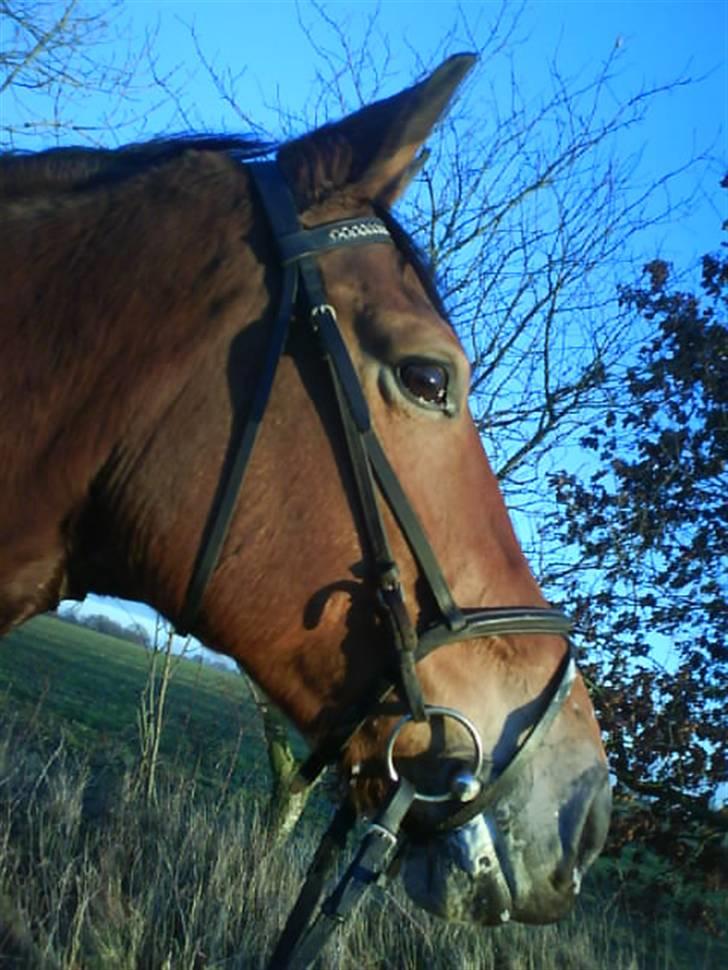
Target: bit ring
[(443, 712)]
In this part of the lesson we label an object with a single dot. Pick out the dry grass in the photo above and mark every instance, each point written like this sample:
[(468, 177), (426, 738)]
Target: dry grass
[(93, 877)]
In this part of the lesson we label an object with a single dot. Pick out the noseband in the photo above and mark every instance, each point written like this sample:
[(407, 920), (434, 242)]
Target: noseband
[(303, 290)]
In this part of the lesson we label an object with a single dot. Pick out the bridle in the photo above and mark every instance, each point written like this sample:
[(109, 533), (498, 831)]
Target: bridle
[(303, 290)]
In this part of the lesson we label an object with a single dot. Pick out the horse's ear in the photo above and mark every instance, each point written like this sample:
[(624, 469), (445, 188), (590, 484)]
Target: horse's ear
[(372, 153)]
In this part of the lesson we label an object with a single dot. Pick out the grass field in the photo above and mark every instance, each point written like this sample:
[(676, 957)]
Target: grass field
[(94, 877), (89, 684)]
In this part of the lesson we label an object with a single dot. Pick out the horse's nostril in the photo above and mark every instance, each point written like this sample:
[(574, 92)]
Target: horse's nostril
[(584, 832), (596, 825)]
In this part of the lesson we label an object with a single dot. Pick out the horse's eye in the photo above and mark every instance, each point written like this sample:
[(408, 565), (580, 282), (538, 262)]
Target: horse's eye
[(427, 382)]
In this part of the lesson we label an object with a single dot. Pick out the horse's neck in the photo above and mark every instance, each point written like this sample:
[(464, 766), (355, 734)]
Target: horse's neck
[(117, 299)]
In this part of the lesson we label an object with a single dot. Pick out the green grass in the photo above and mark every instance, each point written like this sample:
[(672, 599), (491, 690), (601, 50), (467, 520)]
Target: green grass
[(90, 684), (93, 877)]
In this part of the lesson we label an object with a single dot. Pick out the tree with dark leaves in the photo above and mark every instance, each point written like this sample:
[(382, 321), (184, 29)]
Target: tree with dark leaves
[(648, 531)]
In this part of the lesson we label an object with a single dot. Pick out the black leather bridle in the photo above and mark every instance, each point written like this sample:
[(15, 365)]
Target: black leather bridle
[(303, 297)]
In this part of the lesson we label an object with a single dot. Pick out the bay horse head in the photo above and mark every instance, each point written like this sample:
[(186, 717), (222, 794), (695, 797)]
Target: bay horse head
[(170, 306)]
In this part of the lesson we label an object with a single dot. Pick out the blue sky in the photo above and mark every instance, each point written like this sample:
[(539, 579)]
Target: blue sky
[(265, 44), (658, 41)]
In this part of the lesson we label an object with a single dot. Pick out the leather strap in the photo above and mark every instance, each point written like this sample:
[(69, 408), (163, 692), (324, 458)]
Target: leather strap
[(332, 843), (298, 950), (346, 232), (414, 532), (354, 414), (353, 408), (233, 473)]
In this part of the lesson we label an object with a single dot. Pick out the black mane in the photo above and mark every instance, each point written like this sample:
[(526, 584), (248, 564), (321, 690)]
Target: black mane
[(56, 169), (24, 173)]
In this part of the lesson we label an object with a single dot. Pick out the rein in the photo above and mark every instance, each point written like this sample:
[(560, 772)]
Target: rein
[(303, 289)]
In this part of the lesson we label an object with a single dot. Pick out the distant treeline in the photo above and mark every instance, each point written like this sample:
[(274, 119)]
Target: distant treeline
[(133, 632)]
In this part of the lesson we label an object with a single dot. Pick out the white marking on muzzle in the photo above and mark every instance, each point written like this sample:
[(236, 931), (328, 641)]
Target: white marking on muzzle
[(473, 847)]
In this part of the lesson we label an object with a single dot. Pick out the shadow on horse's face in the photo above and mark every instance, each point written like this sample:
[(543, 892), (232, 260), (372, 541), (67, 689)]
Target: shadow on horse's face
[(296, 595)]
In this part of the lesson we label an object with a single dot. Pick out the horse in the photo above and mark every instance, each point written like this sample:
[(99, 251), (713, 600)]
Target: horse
[(230, 390)]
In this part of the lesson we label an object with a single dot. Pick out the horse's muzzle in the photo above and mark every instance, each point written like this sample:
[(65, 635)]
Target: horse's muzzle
[(523, 859)]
